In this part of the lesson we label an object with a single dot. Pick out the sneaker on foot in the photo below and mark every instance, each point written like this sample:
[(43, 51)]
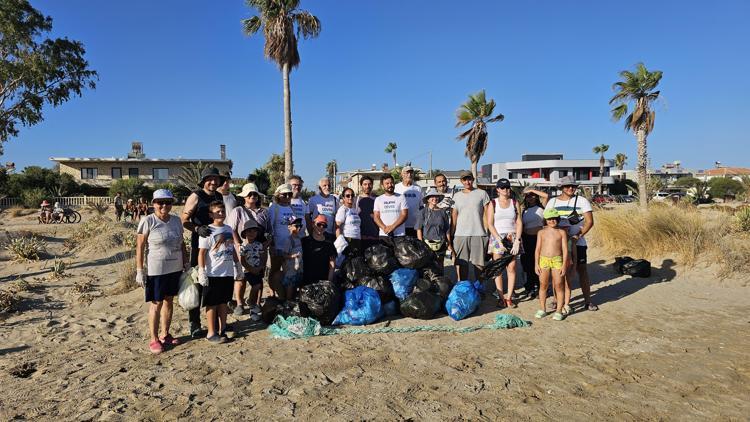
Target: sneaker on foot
[(540, 314), (255, 310), (239, 310), (558, 316), (216, 339), (196, 331)]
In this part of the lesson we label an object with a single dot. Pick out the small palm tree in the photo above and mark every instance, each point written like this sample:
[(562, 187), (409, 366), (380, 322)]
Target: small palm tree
[(190, 175), (391, 149), (331, 168), (638, 87), (283, 23), (601, 149), (620, 160), (477, 111)]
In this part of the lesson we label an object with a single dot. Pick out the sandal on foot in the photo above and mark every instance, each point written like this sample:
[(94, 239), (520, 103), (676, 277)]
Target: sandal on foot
[(540, 314), (590, 307), (156, 347), (509, 303), (216, 339), (558, 316), (567, 310), (501, 303), (168, 339)]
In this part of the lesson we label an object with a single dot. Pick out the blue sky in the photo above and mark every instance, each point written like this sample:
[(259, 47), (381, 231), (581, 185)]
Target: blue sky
[(181, 77)]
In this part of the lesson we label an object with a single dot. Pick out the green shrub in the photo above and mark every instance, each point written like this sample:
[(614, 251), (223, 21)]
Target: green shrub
[(26, 248), (742, 219), (31, 198), (130, 188), (720, 186)]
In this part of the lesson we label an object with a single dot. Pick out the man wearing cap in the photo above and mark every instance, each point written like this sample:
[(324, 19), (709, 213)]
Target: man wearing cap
[(280, 213), (390, 211), (323, 203), (250, 210), (195, 218), (433, 226), (230, 201), (467, 227), (412, 193), (298, 204), (577, 218)]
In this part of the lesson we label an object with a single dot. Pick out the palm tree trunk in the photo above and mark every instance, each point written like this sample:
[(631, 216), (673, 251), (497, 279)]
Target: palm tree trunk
[(395, 163), (288, 163), (642, 168), (601, 173), (474, 171)]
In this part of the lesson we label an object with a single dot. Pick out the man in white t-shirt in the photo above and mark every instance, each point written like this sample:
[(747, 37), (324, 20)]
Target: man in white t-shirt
[(230, 201), (298, 204), (390, 210), (412, 193), (577, 217), (323, 203)]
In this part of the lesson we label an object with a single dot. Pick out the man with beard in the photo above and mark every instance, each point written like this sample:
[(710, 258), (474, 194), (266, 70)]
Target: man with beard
[(412, 193), (390, 211), (468, 228), (195, 218), (298, 204)]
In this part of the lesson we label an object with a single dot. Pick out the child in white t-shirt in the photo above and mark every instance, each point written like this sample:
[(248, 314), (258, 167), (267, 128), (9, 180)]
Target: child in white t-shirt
[(293, 259), (254, 257), (218, 267)]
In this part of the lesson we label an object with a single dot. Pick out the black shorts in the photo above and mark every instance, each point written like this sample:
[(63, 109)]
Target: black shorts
[(254, 279), (410, 232), (581, 254), (159, 287), (219, 291)]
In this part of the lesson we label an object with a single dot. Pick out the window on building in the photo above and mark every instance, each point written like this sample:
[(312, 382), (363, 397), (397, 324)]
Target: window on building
[(133, 172), (161, 174), (562, 173), (117, 172), (88, 173)]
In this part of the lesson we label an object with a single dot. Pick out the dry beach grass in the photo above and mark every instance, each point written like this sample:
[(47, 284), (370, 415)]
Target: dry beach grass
[(666, 347)]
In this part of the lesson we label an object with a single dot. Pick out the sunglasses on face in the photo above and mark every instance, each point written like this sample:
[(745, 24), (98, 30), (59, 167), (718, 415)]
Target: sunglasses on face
[(299, 226), (286, 194), (163, 203), (503, 188), (322, 225), (348, 195)]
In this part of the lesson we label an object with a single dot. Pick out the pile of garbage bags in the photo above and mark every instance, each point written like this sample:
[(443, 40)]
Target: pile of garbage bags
[(383, 281)]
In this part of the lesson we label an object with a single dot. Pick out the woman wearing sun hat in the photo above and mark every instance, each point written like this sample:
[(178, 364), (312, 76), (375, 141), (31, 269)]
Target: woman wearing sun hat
[(433, 226), (250, 210), (167, 258)]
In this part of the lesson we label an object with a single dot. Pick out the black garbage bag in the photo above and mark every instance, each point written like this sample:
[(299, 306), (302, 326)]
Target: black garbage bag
[(423, 285), (322, 299), (413, 253), (380, 259), (431, 272), (496, 267), (380, 284), (273, 306), (637, 268), (444, 286), (620, 261), (339, 278), (355, 267), (422, 305)]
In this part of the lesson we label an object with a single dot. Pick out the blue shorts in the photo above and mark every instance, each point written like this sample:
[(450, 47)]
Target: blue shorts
[(254, 279), (159, 287), (293, 280)]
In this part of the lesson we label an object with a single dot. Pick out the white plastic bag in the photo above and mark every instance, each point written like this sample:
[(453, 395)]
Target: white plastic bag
[(188, 296)]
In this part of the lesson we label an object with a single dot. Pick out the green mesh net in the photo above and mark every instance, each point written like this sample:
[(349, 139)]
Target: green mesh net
[(298, 327)]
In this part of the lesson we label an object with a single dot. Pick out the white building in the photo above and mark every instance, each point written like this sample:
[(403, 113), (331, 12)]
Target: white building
[(547, 169)]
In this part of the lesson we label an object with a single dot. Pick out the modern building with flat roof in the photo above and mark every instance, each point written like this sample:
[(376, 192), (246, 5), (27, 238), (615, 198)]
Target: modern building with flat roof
[(103, 171), (547, 169)]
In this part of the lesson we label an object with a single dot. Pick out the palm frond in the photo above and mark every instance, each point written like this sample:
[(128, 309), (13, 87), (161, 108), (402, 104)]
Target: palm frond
[(498, 118), (307, 25), (619, 111), (251, 26)]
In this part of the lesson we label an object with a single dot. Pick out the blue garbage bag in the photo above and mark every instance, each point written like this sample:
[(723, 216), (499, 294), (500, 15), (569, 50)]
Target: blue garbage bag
[(361, 307), (403, 281), (464, 299)]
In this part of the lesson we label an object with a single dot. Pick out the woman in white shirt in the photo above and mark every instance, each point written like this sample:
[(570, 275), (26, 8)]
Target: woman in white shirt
[(347, 219), (503, 218)]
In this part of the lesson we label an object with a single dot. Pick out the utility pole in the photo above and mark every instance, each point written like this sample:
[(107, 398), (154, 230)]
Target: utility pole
[(430, 175)]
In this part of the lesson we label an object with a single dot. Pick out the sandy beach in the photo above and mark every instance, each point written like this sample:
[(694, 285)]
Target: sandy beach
[(670, 347)]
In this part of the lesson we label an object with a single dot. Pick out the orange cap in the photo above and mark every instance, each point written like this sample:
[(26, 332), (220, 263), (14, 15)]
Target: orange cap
[(320, 219)]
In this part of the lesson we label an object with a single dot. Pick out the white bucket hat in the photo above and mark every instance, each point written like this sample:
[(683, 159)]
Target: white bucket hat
[(163, 194)]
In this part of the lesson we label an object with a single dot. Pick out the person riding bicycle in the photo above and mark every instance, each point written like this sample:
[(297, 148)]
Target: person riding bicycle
[(57, 212)]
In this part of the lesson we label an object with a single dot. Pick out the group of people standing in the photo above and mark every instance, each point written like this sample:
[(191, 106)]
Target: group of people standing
[(233, 239)]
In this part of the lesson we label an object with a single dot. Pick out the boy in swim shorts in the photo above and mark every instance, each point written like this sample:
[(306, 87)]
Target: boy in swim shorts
[(551, 257)]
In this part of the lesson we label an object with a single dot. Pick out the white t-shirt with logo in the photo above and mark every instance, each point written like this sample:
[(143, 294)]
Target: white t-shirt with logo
[(164, 240), (318, 205), (413, 196), (279, 215), (219, 251), (565, 208), (390, 207), (300, 209), (349, 219)]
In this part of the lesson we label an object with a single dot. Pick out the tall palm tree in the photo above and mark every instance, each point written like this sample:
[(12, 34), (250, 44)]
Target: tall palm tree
[(391, 149), (601, 149), (331, 168), (477, 111), (638, 87), (282, 24)]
